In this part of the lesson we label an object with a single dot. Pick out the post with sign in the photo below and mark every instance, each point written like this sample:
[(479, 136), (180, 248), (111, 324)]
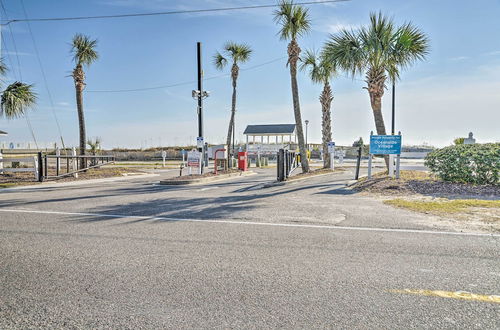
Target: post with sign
[(194, 161), (163, 156), (331, 154), (385, 145)]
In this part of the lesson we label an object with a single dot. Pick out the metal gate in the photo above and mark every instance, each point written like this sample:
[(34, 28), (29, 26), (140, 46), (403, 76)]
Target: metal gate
[(287, 162)]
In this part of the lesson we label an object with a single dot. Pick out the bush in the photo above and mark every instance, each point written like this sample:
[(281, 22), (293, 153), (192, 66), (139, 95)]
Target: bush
[(467, 163)]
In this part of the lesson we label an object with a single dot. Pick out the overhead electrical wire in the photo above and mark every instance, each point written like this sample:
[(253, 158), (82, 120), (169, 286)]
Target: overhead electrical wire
[(43, 75), (182, 83), (190, 11)]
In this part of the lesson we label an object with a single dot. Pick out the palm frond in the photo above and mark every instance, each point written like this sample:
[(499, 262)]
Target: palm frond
[(219, 61), (16, 99), (240, 53), (293, 19), (345, 51), (84, 49), (320, 69), (378, 47), (3, 67)]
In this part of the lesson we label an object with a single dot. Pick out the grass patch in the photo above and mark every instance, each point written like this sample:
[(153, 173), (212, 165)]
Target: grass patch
[(443, 206)]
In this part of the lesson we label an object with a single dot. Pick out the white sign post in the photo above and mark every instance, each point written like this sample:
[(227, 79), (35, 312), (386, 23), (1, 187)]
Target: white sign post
[(164, 156), (331, 152), (194, 160)]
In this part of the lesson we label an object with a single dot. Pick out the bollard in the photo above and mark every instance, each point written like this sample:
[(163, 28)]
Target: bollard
[(369, 166), (75, 162), (358, 163), (58, 161), (40, 167)]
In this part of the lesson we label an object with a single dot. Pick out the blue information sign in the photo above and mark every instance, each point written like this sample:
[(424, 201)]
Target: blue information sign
[(385, 144)]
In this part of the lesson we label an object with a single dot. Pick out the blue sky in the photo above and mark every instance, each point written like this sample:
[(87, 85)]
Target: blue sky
[(456, 90)]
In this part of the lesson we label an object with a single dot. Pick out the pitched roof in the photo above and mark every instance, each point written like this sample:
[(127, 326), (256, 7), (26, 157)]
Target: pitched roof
[(270, 129), (3, 133)]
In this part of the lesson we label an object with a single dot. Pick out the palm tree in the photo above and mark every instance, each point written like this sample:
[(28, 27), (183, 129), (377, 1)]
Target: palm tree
[(84, 54), (295, 22), (379, 50), (95, 148), (16, 98), (320, 72), (237, 53)]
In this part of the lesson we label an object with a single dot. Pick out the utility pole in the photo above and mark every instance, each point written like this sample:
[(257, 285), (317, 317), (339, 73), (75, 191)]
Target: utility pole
[(199, 94), (393, 106), (200, 97)]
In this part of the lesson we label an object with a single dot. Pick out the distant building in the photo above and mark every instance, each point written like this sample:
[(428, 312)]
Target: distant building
[(3, 133), (270, 138)]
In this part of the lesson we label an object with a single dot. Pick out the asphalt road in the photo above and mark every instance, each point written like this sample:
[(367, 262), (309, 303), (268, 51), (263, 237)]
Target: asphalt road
[(133, 254)]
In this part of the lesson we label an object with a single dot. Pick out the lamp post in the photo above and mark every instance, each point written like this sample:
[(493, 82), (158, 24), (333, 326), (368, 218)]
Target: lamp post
[(307, 123)]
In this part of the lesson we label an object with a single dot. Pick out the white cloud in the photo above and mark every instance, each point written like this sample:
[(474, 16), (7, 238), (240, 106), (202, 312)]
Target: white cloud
[(459, 58)]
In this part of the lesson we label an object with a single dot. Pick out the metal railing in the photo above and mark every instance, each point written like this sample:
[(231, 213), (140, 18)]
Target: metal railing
[(73, 164)]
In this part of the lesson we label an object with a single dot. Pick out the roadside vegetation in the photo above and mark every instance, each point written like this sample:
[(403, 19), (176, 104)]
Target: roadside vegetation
[(443, 206), (236, 53), (379, 51), (321, 71), (467, 163), (295, 22), (84, 54), (17, 98)]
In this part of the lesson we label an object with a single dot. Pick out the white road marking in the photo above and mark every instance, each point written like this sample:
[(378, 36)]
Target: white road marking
[(239, 222)]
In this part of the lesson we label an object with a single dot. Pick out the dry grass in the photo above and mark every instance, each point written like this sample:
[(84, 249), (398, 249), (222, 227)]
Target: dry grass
[(443, 206)]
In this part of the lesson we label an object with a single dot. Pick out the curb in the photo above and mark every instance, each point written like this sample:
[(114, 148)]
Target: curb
[(79, 182), (353, 182), (205, 180), (276, 183)]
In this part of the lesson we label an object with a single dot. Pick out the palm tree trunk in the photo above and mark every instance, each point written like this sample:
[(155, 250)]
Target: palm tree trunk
[(79, 77), (326, 99), (230, 133), (376, 85), (293, 57)]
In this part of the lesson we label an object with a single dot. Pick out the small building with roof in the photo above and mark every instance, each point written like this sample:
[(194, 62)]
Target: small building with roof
[(270, 138), (3, 132)]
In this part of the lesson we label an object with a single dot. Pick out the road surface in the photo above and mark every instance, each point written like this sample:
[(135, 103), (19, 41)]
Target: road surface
[(232, 254)]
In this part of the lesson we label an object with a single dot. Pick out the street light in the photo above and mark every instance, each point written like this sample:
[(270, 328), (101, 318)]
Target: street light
[(307, 123)]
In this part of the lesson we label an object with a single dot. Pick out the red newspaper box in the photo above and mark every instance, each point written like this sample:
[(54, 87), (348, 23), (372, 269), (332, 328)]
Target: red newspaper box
[(243, 160)]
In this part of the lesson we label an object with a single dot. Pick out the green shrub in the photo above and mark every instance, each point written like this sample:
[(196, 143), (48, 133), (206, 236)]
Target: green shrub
[(467, 163)]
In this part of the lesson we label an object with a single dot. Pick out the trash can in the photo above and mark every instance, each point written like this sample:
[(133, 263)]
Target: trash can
[(243, 160)]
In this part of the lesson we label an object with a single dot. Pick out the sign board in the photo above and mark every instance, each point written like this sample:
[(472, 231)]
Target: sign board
[(385, 144), (163, 154), (183, 152), (199, 142), (331, 147), (194, 158)]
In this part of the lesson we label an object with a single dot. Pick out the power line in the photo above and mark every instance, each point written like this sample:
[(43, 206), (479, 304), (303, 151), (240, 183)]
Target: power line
[(43, 74), (182, 83), (162, 13)]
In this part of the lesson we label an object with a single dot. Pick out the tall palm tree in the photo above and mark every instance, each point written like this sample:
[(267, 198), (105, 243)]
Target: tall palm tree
[(380, 50), (321, 71), (84, 54), (295, 22), (236, 53), (16, 98)]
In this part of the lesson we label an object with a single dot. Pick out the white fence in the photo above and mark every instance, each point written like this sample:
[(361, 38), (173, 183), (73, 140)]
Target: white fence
[(32, 160)]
